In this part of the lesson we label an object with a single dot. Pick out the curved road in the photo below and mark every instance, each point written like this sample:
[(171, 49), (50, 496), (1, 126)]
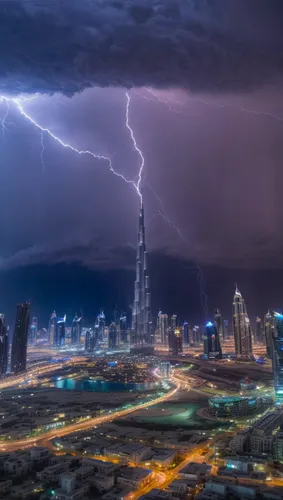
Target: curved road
[(80, 426)]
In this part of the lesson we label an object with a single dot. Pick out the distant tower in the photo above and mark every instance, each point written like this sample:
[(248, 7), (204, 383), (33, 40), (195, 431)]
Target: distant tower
[(123, 329), (141, 317), (258, 330), (268, 330), (89, 341), (20, 339), (241, 327), (218, 321), (60, 334), (162, 328), (186, 333), (277, 356), (3, 346), (175, 341), (112, 336), (211, 344), (76, 330), (101, 327), (52, 328), (33, 331)]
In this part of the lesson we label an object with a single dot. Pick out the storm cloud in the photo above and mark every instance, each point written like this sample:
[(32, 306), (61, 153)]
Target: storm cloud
[(66, 46)]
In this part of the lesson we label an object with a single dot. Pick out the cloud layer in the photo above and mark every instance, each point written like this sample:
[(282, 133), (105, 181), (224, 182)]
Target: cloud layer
[(65, 46)]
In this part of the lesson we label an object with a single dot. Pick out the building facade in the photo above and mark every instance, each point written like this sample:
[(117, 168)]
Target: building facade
[(76, 330), (142, 334), (4, 344), (60, 333), (211, 342), (20, 339), (277, 355), (52, 328), (241, 327), (218, 322)]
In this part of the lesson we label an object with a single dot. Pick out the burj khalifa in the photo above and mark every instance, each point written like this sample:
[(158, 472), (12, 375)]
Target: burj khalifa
[(142, 337)]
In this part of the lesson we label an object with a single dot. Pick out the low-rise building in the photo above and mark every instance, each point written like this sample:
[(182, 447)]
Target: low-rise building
[(39, 455), (195, 469), (134, 477), (102, 483), (102, 467), (5, 486), (69, 489), (26, 489), (17, 464), (163, 458), (52, 473)]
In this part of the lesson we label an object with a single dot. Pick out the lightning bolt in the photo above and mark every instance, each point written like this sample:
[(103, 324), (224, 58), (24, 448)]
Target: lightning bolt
[(42, 150), (4, 119), (138, 150), (168, 102), (18, 103)]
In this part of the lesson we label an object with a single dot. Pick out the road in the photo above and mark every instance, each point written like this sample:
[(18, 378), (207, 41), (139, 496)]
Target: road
[(81, 426)]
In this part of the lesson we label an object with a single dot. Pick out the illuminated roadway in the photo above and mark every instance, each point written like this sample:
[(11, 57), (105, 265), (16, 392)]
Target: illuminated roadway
[(81, 426)]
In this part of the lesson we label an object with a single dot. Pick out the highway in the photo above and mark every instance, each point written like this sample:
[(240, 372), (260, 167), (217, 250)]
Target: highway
[(81, 426)]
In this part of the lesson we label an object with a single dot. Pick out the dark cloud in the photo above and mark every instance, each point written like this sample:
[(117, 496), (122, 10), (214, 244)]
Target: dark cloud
[(65, 46)]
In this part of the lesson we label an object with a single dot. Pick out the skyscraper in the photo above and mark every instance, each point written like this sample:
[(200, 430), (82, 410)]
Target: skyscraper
[(211, 342), (52, 328), (60, 333), (162, 328), (141, 318), (20, 339), (258, 330), (186, 333), (277, 356), (33, 331), (76, 330), (175, 341), (218, 322), (241, 327), (112, 336), (268, 330), (123, 329), (3, 346), (89, 341), (101, 326), (173, 322)]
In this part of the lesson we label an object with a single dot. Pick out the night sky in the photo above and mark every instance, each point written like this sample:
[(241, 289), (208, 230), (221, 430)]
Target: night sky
[(206, 109)]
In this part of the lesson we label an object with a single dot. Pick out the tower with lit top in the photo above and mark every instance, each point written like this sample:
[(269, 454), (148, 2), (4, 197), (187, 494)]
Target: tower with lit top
[(241, 327), (141, 318)]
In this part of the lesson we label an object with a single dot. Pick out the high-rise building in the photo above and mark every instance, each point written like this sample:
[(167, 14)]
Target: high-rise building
[(90, 341), (211, 342), (60, 333), (141, 317), (101, 327), (218, 321), (33, 331), (258, 330), (241, 327), (173, 322), (112, 336), (20, 339), (196, 335), (226, 334), (3, 346), (186, 333), (52, 328), (123, 329), (165, 370), (277, 356), (268, 330), (162, 328), (76, 330), (175, 341)]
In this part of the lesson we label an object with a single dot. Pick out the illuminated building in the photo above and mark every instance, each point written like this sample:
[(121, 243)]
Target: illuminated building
[(101, 327), (173, 322), (196, 335), (232, 406), (175, 341), (112, 336), (165, 369), (123, 329), (89, 341), (211, 342), (218, 322), (162, 328), (186, 333), (258, 330), (241, 327), (52, 328), (277, 356), (3, 346), (60, 334), (76, 330), (20, 339), (33, 331), (141, 317), (268, 330), (226, 329)]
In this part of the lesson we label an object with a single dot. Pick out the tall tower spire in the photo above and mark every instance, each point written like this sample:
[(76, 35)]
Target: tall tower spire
[(241, 327), (141, 319)]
